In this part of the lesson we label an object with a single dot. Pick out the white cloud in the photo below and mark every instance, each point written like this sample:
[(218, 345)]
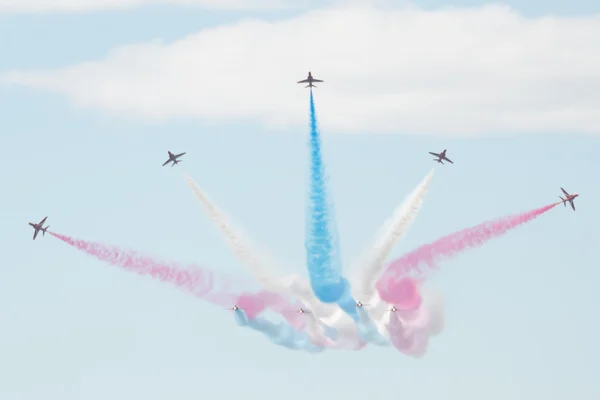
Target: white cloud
[(453, 71), (38, 6)]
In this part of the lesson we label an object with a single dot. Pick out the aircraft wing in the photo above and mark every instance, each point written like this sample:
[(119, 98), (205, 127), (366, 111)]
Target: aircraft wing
[(42, 221), (166, 162), (35, 234), (434, 154), (317, 80), (572, 205), (564, 191), (449, 160), (179, 155), (303, 81)]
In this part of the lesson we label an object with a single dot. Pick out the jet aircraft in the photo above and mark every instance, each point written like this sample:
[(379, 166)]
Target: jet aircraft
[(39, 227), (360, 304), (234, 308), (569, 197), (310, 80), (303, 311), (173, 158), (441, 157)]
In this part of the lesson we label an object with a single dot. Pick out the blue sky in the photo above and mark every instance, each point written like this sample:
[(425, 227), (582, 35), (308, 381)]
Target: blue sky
[(521, 318)]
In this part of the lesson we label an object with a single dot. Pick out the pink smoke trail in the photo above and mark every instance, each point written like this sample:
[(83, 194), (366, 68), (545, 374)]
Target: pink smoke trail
[(194, 280), (408, 298), (254, 304), (414, 345), (389, 286), (410, 339), (409, 325)]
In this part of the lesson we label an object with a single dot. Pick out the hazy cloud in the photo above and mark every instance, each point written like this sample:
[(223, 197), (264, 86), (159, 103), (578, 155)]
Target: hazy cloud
[(483, 70), (39, 6)]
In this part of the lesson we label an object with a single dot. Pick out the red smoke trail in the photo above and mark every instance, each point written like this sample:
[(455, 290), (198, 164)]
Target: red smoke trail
[(390, 285), (194, 280)]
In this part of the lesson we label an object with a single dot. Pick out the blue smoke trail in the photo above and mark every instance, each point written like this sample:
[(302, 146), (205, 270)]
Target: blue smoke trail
[(368, 331), (331, 333), (322, 245), (322, 255), (281, 334)]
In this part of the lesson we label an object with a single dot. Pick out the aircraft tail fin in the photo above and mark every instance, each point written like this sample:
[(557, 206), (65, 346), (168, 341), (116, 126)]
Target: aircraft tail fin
[(44, 230), (564, 201)]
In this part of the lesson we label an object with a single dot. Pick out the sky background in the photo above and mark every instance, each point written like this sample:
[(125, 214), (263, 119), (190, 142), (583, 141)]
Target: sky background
[(521, 311)]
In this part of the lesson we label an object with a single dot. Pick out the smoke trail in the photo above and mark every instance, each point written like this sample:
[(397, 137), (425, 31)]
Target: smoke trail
[(234, 239), (201, 283), (448, 246), (340, 334), (254, 304), (408, 297), (328, 314), (410, 340), (414, 322), (435, 304), (367, 329), (392, 230), (194, 280), (278, 333), (322, 255), (321, 335), (330, 317), (408, 303), (293, 285)]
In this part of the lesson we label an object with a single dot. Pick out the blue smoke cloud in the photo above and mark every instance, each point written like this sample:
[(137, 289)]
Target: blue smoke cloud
[(281, 334)]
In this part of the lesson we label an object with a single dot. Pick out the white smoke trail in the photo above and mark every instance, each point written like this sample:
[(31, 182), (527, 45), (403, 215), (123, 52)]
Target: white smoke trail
[(317, 332), (392, 230), (434, 302), (372, 265), (323, 315), (234, 239), (329, 314)]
